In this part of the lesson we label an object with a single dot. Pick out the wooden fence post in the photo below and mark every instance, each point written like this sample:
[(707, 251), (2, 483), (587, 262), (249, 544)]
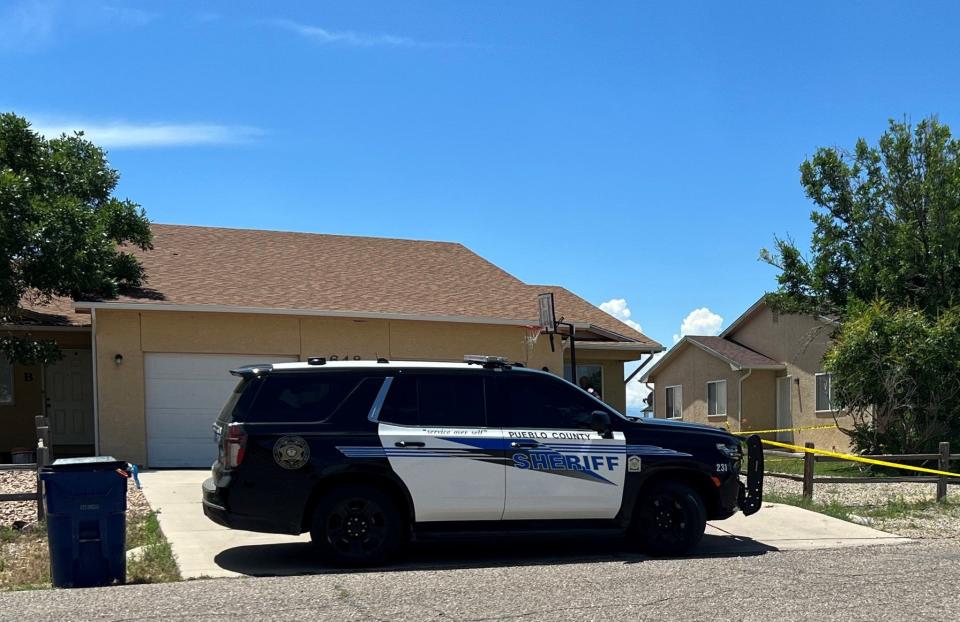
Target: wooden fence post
[(808, 468), (42, 458), (944, 466)]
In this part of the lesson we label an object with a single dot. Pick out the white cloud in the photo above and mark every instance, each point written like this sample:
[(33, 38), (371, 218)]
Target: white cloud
[(124, 135), (32, 24), (353, 38), (700, 321), (617, 307)]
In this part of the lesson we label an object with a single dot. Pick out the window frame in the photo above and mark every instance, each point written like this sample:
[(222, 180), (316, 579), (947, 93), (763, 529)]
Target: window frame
[(717, 414), (11, 376), (666, 402), (816, 392), (576, 377)]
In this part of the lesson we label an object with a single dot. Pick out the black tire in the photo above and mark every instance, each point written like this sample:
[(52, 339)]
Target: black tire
[(670, 519), (357, 525)]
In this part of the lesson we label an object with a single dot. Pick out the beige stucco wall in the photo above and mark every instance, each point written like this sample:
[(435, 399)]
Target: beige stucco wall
[(759, 401), (692, 368), (799, 341), (122, 420), (18, 427)]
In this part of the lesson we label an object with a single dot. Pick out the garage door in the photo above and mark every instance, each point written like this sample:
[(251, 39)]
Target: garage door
[(184, 395)]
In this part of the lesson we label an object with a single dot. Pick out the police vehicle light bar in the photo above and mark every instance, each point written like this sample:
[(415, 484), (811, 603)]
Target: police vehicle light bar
[(487, 361)]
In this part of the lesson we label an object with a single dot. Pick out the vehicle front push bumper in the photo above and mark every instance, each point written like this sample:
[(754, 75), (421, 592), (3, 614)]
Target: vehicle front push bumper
[(751, 495)]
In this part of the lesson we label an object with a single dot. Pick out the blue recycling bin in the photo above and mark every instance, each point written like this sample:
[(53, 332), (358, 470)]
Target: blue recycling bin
[(86, 504)]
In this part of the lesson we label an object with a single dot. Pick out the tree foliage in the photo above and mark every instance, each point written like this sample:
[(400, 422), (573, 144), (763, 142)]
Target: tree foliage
[(62, 231), (885, 259), (897, 373), (887, 225)]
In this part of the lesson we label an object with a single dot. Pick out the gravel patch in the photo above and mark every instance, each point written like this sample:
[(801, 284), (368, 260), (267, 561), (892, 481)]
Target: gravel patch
[(25, 512), (932, 523)]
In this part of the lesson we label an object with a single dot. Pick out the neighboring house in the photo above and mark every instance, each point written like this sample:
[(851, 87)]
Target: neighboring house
[(145, 375), (765, 371)]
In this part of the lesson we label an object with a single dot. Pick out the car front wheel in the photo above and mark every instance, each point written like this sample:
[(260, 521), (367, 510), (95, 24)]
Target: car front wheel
[(357, 526), (670, 520)]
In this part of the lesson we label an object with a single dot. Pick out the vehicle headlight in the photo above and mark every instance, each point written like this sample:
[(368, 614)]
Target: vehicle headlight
[(731, 451)]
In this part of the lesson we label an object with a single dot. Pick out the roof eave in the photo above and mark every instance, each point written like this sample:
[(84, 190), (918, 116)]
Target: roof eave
[(85, 307)]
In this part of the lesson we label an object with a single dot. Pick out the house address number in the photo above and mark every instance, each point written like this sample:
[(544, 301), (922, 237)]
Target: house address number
[(345, 357)]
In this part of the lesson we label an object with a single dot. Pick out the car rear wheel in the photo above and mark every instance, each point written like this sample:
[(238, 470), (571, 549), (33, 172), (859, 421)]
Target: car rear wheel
[(670, 520), (357, 526)]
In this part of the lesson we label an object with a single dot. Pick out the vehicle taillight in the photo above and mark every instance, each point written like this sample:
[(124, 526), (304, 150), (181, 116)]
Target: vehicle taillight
[(234, 443)]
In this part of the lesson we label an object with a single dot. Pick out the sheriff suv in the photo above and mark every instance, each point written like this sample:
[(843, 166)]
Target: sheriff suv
[(367, 455)]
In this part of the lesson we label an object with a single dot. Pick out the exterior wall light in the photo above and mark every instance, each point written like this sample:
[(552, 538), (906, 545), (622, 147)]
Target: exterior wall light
[(118, 359)]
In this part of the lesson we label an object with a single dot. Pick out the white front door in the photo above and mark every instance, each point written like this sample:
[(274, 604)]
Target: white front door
[(68, 387), (557, 467), (434, 433), (184, 395), (784, 408)]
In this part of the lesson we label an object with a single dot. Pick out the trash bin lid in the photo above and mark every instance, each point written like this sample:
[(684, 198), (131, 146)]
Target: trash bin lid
[(90, 463)]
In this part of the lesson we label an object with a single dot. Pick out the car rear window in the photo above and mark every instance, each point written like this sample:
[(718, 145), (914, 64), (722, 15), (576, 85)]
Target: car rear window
[(230, 410), (301, 397)]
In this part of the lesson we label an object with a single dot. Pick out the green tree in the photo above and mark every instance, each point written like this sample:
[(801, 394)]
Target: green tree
[(62, 233), (897, 373), (886, 225), (885, 260)]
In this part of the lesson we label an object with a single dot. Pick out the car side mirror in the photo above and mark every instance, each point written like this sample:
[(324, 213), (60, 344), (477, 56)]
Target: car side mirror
[(600, 423)]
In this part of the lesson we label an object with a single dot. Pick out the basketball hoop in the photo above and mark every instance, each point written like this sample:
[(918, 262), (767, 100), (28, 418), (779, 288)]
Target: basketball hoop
[(530, 335)]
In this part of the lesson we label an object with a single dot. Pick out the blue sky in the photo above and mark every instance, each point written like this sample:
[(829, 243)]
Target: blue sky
[(627, 150)]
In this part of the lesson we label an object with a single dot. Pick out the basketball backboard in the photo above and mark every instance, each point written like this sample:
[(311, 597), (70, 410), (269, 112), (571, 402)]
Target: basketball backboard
[(548, 317)]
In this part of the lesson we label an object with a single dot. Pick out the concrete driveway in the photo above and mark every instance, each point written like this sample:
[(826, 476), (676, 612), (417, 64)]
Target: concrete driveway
[(205, 549)]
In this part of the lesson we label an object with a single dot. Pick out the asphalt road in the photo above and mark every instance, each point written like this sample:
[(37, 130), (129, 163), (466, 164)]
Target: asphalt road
[(571, 581)]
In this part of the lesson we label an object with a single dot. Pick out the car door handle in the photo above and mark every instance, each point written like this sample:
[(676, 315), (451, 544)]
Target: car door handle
[(524, 444), (408, 444)]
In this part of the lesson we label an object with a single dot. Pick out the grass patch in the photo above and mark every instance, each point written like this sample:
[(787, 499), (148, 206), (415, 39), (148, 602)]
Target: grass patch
[(155, 563), (25, 558), (794, 466), (895, 508), (24, 561)]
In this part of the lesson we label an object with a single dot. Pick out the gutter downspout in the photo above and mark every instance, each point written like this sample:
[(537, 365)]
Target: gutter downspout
[(740, 399), (96, 404), (637, 370)]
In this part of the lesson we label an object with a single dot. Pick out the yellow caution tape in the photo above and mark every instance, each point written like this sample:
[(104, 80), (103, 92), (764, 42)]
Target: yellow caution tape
[(853, 458), (832, 426)]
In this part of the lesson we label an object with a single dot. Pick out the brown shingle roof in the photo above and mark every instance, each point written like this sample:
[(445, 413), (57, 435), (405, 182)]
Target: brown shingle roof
[(734, 352), (335, 273), (55, 312), (737, 355)]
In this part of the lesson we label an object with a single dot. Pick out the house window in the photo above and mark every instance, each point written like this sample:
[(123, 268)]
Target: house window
[(589, 378), (674, 402), (716, 398), (6, 382), (824, 392)]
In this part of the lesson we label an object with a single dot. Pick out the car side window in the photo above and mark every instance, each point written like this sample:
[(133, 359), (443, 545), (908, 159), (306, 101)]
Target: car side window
[(400, 407), (300, 397), (535, 401), (435, 401), (451, 401)]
